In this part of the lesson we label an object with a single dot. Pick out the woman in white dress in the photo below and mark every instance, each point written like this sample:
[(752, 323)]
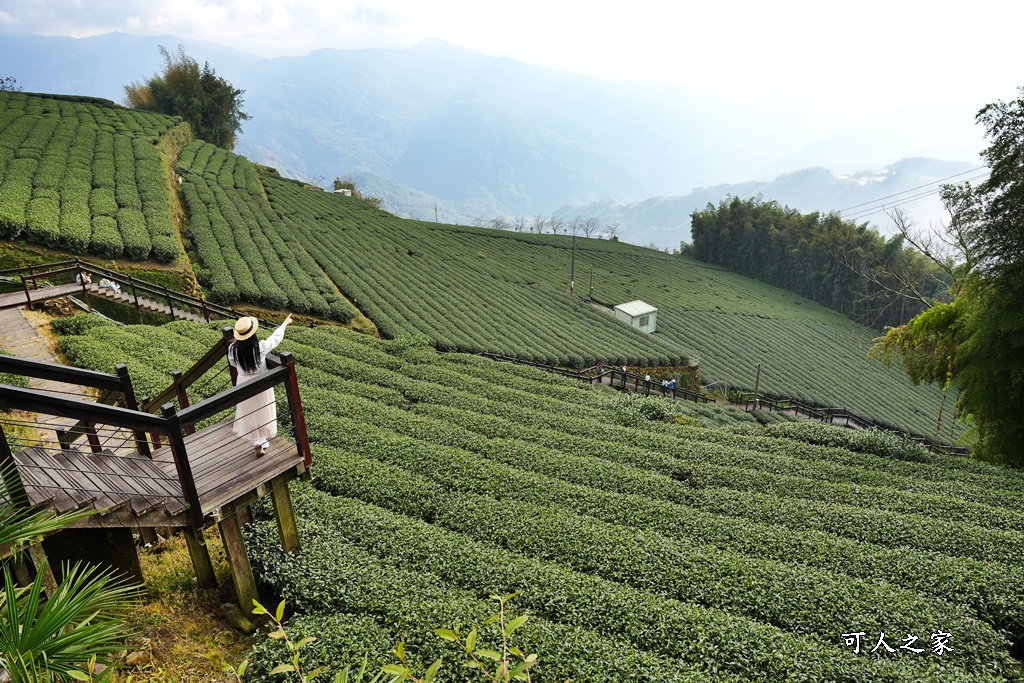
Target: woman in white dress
[(256, 417)]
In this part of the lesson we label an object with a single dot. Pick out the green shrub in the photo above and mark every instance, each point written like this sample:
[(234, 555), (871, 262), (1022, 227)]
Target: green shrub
[(132, 226), (79, 323), (106, 238)]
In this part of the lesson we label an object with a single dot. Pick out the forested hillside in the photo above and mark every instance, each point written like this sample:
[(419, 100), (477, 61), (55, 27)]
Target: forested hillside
[(850, 268), (650, 540)]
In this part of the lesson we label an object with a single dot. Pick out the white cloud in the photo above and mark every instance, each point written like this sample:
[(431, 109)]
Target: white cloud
[(887, 52)]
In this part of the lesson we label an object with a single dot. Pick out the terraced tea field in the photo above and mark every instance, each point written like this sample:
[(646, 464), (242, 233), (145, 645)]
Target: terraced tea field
[(92, 178)]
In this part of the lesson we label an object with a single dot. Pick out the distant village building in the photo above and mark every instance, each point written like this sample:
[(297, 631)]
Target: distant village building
[(343, 191), (640, 315)]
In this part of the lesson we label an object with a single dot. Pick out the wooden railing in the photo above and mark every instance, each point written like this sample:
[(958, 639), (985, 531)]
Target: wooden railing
[(156, 293), (171, 423), (619, 379)]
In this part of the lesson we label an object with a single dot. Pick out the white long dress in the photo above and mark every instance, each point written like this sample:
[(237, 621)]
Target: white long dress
[(256, 417)]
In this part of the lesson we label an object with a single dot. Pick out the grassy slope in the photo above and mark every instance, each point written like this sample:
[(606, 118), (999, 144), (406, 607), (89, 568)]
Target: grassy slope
[(644, 546), (476, 289)]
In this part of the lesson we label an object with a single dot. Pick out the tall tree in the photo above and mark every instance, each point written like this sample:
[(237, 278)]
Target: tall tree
[(977, 341), (990, 355), (211, 105)]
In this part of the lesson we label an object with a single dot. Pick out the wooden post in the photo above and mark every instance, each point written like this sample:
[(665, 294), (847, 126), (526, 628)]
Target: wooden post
[(238, 559), (24, 284), (141, 444), (295, 405), (182, 397), (170, 302), (38, 555), (281, 497), (94, 440), (135, 293), (154, 435), (195, 539), (229, 336), (182, 465)]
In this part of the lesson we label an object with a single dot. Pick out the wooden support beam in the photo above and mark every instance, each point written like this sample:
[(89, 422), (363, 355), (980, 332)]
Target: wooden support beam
[(238, 559), (112, 548), (284, 514), (195, 539), (38, 555)]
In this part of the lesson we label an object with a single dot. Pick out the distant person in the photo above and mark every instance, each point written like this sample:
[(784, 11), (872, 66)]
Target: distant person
[(672, 383), (83, 278), (111, 285), (256, 417)]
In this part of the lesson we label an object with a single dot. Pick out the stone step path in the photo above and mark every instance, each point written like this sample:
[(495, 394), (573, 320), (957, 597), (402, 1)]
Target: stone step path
[(145, 304), (20, 335)]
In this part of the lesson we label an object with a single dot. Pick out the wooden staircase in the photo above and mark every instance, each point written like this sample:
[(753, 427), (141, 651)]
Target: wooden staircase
[(178, 475), (145, 304), (55, 280)]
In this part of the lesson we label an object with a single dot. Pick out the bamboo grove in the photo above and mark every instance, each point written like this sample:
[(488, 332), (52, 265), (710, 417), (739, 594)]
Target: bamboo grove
[(848, 267)]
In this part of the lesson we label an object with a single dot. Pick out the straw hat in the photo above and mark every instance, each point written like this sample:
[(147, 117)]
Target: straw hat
[(246, 327)]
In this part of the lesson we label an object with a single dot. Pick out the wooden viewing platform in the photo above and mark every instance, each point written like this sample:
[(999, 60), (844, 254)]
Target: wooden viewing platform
[(147, 490), (178, 475)]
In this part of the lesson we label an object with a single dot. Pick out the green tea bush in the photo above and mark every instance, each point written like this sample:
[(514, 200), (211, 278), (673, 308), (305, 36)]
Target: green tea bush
[(877, 442), (79, 323)]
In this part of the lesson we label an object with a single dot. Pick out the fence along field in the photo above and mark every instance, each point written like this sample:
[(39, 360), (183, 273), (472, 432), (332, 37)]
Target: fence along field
[(641, 547)]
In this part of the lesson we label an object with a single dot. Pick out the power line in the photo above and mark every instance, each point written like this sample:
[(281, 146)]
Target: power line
[(879, 208), (919, 187)]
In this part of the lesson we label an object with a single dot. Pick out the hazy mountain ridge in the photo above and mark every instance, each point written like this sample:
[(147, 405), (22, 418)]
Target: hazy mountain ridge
[(482, 136), (665, 221)]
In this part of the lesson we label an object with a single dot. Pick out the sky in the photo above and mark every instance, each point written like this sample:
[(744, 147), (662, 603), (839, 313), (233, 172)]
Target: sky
[(892, 53)]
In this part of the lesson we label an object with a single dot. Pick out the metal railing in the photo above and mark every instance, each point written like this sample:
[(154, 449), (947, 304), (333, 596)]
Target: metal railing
[(848, 418), (150, 291)]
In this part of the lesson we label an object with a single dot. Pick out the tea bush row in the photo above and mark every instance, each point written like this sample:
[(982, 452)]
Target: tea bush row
[(526, 472), (698, 640), (89, 164)]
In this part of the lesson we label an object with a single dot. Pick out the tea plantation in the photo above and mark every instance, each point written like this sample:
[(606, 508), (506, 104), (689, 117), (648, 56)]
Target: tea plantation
[(84, 176), (87, 177), (650, 541)]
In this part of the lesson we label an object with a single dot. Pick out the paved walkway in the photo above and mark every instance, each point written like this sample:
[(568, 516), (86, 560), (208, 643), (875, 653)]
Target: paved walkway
[(20, 335)]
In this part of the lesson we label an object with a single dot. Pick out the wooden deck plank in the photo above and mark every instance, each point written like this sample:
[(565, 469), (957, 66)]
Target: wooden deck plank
[(227, 466), (140, 490), (43, 479)]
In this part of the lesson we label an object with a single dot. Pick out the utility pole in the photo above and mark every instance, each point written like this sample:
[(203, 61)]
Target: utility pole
[(757, 383), (435, 212), (572, 272), (591, 281)]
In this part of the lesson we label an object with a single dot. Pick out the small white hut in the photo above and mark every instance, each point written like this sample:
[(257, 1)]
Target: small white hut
[(640, 315)]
